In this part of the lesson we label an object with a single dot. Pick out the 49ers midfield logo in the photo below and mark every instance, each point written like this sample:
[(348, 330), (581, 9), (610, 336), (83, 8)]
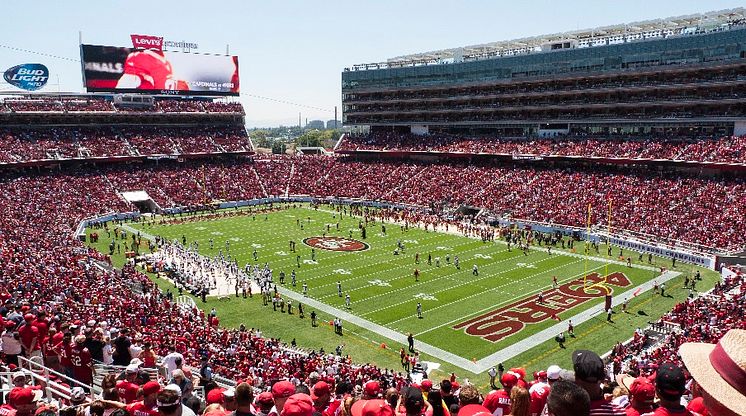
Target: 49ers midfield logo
[(510, 319), (336, 243)]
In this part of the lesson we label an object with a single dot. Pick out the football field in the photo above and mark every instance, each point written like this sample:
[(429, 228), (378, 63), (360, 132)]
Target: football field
[(466, 313)]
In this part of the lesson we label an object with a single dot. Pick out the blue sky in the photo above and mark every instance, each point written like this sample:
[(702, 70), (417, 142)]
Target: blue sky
[(295, 50)]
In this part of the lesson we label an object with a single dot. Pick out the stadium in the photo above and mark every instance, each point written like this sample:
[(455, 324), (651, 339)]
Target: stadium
[(571, 205)]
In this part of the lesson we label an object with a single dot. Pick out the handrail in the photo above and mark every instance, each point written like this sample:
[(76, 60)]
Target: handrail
[(52, 388)]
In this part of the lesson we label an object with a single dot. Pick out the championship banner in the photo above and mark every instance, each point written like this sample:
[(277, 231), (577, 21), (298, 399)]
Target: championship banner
[(147, 42), (29, 77)]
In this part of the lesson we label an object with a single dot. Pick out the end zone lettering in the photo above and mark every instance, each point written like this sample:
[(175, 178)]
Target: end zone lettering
[(511, 319)]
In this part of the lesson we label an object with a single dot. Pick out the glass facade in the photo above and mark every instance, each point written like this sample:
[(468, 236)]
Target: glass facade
[(674, 51)]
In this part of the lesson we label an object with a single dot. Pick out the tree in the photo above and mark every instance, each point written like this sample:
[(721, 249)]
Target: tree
[(260, 138), (317, 138), (278, 147), (311, 138)]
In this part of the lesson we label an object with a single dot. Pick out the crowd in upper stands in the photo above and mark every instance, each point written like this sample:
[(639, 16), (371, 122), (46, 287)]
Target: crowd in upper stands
[(94, 104), (59, 143), (730, 149)]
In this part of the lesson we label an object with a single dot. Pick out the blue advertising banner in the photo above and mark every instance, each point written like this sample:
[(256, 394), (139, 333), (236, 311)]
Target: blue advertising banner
[(29, 77)]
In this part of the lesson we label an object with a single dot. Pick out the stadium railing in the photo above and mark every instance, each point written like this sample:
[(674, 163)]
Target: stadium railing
[(60, 387)]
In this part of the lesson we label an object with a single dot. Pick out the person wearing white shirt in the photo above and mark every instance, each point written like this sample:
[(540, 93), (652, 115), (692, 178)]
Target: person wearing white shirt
[(169, 361)]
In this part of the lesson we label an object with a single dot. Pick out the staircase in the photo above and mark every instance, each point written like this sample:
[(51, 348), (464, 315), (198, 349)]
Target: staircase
[(261, 184), (290, 179), (403, 184)]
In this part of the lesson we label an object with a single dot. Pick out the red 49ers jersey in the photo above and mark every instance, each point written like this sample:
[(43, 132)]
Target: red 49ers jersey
[(498, 402), (539, 393)]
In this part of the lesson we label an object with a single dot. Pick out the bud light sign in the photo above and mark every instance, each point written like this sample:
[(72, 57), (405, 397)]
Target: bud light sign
[(29, 77)]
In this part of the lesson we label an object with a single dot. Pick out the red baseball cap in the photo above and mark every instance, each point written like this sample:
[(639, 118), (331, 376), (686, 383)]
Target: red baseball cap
[(375, 407), (642, 389), (455, 386), (151, 387), (299, 404), (21, 396), (697, 405), (29, 317), (283, 389), (427, 384), (321, 388), (265, 399), (372, 388), (215, 396), (474, 410), (509, 379)]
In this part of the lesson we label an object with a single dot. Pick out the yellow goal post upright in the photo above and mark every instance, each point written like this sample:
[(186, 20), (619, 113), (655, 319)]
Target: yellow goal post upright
[(587, 286)]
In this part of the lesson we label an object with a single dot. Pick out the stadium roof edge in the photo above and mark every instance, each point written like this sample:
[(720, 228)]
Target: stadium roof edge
[(678, 25)]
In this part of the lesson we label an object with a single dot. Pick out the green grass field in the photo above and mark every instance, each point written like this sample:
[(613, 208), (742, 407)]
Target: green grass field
[(383, 289)]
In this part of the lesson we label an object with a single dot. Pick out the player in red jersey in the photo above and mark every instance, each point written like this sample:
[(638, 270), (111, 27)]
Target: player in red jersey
[(148, 70), (81, 361)]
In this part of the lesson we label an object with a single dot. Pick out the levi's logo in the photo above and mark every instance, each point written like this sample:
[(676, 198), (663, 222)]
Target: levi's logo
[(147, 42)]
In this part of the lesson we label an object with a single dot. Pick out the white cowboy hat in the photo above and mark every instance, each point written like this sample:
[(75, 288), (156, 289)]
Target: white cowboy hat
[(720, 369)]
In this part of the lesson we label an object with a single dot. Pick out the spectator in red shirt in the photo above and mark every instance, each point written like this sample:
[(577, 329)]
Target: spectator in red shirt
[(148, 405), (22, 401), (30, 336), (81, 361), (641, 394), (127, 388), (62, 349), (322, 399), (670, 385), (498, 401)]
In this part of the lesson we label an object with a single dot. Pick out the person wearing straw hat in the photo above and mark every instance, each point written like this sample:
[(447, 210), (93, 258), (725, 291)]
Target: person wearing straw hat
[(720, 370)]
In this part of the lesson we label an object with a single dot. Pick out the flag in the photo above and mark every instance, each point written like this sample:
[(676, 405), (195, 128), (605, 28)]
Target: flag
[(637, 292)]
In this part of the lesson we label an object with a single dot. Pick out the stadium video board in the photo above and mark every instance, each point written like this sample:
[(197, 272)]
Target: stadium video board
[(120, 69)]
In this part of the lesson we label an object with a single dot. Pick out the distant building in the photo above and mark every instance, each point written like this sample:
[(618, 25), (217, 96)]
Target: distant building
[(333, 124), (315, 124)]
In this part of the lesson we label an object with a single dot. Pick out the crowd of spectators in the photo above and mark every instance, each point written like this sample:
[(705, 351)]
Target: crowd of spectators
[(705, 318), (95, 104), (57, 303), (18, 145), (707, 211), (730, 149)]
